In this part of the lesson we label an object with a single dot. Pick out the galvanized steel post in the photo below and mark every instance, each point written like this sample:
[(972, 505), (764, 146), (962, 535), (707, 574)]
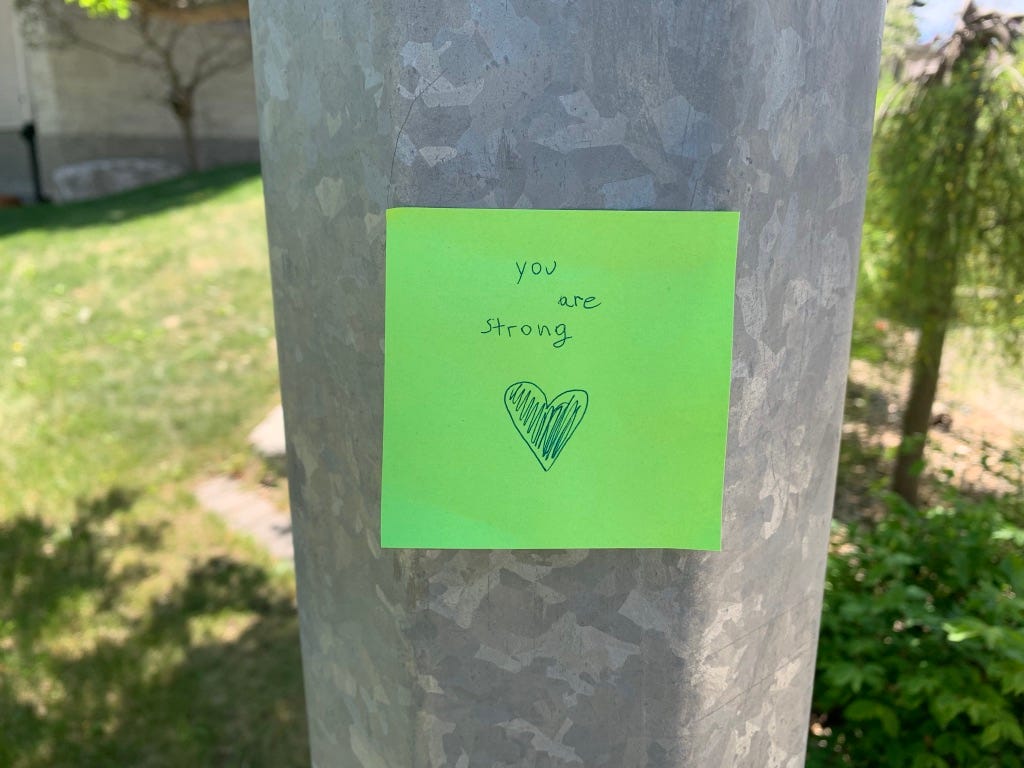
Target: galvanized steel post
[(565, 658)]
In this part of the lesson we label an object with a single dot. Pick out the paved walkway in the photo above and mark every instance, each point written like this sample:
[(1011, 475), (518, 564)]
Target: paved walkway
[(246, 511), (267, 440)]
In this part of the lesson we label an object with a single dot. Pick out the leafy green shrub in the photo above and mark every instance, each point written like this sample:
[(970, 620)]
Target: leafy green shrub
[(921, 656)]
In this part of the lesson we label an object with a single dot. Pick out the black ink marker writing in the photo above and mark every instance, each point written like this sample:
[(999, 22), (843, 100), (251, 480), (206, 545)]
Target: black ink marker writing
[(545, 425), (561, 333), (536, 268)]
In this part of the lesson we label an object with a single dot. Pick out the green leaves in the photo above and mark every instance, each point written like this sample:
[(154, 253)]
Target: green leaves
[(944, 224), (179, 11), (120, 8), (855, 676), (865, 709), (945, 234), (1000, 730), (921, 656)]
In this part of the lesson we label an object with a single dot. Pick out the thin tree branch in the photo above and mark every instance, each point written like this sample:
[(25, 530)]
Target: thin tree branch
[(196, 12)]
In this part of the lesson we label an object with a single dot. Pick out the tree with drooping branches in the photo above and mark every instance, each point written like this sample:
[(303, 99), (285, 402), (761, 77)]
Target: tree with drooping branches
[(949, 170)]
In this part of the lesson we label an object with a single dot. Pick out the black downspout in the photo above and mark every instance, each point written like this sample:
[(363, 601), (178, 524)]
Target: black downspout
[(28, 133)]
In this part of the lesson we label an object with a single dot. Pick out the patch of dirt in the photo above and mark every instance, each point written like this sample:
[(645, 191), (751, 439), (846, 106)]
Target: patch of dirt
[(978, 424)]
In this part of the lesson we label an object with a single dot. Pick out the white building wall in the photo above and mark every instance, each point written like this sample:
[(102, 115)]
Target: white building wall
[(89, 107), (79, 91), (15, 170)]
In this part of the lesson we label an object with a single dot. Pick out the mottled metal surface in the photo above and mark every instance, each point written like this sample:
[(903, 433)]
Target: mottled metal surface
[(599, 658)]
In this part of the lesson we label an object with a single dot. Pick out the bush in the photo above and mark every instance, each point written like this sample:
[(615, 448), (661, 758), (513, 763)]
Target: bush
[(921, 656)]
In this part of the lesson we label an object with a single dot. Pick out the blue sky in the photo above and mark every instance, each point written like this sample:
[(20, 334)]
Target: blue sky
[(938, 16)]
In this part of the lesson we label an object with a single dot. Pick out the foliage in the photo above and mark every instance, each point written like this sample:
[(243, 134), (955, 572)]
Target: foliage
[(948, 167), (921, 654), (899, 33), (183, 11), (120, 8)]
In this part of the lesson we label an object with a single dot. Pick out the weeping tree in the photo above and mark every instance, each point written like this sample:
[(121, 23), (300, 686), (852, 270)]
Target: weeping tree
[(899, 34), (186, 43), (949, 176)]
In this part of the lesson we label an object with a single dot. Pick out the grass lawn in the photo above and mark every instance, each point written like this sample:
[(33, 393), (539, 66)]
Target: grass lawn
[(136, 351)]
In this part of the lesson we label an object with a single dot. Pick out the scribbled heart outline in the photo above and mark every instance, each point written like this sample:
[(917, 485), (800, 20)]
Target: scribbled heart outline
[(545, 425)]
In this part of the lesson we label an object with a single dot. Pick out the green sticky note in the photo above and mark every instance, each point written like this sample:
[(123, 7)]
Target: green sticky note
[(556, 379)]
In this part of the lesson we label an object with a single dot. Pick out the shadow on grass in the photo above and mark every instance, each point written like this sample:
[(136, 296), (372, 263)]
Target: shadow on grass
[(124, 206), (863, 465), (204, 672)]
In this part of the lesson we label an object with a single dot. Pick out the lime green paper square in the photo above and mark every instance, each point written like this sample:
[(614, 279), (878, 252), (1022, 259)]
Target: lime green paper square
[(556, 379)]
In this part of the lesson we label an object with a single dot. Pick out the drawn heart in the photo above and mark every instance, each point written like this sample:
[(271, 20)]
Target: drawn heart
[(544, 425)]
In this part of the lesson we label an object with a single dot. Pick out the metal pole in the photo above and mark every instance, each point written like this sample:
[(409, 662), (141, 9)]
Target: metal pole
[(586, 658)]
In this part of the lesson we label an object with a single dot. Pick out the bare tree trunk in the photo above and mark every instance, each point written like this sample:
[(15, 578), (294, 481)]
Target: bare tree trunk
[(182, 101), (189, 139), (917, 416)]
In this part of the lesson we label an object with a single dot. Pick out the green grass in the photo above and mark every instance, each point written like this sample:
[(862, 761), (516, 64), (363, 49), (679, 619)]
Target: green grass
[(136, 351)]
